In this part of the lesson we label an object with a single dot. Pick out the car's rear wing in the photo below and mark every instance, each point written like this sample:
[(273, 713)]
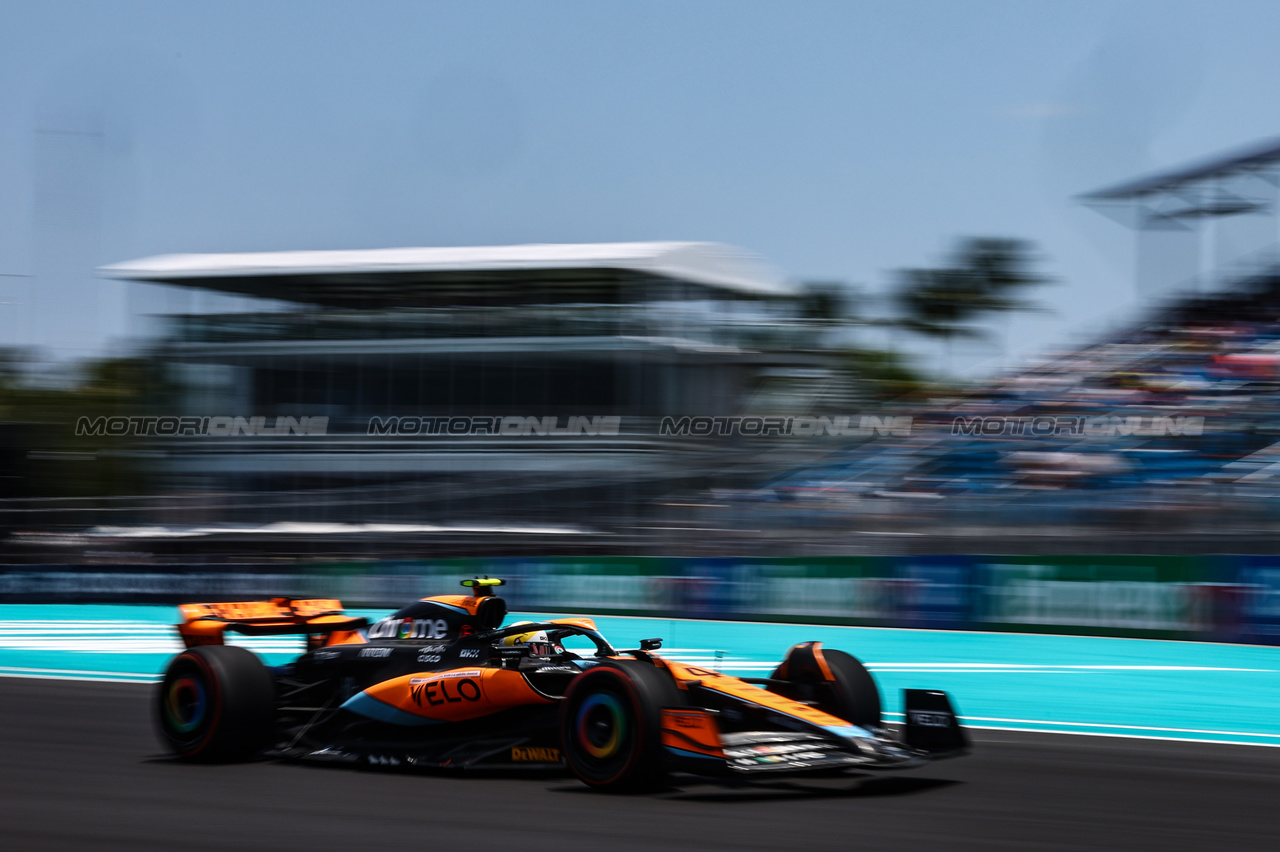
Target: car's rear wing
[(205, 623)]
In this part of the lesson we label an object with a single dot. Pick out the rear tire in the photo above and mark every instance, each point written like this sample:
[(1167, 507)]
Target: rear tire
[(216, 704), (611, 725), (850, 694)]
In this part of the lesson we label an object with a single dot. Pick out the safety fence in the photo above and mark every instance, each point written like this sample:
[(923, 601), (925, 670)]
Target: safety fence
[(1215, 598)]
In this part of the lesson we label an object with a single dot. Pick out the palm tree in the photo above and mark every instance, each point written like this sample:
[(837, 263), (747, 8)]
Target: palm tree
[(828, 303), (986, 276)]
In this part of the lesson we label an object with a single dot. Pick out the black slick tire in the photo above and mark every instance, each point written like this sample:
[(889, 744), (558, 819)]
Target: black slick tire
[(216, 704), (837, 682), (611, 725)]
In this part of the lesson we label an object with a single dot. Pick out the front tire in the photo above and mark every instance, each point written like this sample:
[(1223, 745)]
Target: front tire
[(216, 704), (837, 682), (611, 725)]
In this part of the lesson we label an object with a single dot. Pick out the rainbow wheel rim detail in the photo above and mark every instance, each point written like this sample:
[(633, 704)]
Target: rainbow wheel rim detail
[(185, 704), (602, 725)]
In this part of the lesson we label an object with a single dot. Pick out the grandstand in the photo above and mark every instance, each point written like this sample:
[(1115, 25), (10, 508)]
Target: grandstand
[(1167, 425), (1171, 423), (471, 354)]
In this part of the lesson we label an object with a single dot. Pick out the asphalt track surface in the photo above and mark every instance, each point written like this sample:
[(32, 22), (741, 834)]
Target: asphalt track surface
[(80, 769)]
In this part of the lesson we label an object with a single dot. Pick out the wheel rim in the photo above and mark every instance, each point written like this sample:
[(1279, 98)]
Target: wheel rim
[(186, 704), (601, 729), (601, 726)]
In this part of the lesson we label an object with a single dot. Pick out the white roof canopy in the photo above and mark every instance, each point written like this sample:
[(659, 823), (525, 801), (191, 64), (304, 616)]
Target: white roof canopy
[(712, 265)]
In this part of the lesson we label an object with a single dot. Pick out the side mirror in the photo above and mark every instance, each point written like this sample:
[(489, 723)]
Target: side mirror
[(650, 644)]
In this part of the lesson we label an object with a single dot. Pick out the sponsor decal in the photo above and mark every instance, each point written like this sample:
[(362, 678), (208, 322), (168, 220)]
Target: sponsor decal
[(535, 754), (409, 628), (930, 720), (469, 653), (686, 720), (448, 688), (375, 652), (327, 655), (438, 692), (245, 611), (430, 653), (442, 675)]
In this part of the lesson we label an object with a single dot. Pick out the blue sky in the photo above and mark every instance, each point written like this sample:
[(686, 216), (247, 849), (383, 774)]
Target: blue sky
[(840, 140)]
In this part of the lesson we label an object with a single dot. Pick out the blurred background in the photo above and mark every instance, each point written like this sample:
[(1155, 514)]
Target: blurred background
[(915, 301)]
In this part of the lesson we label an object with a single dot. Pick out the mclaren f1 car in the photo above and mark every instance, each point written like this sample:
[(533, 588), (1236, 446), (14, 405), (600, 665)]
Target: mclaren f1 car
[(442, 684)]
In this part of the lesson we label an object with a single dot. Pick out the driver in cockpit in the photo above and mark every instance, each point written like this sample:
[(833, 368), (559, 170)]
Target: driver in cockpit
[(537, 641)]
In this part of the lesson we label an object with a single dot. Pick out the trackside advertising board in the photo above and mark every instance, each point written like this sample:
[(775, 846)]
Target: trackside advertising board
[(1216, 598)]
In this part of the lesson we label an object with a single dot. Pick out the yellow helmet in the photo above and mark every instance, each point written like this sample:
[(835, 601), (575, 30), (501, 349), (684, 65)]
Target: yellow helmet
[(540, 645), (519, 638)]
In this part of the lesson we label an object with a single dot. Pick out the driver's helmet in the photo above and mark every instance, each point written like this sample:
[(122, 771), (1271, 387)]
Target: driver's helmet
[(539, 644)]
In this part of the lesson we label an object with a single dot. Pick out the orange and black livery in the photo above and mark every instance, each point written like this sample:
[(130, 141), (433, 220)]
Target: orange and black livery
[(443, 682)]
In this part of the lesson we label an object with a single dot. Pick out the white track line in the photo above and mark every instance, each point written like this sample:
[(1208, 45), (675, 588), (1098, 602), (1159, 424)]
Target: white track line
[(969, 719)]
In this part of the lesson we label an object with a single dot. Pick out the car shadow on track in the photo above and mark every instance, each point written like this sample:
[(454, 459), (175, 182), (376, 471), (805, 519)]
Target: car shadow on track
[(515, 773), (681, 788), (866, 787), (869, 788)]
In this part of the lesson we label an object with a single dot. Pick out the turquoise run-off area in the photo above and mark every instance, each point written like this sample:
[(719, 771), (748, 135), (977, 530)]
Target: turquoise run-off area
[(1069, 684)]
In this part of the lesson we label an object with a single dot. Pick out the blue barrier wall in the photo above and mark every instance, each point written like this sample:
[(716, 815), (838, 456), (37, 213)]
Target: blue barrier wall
[(1216, 598)]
